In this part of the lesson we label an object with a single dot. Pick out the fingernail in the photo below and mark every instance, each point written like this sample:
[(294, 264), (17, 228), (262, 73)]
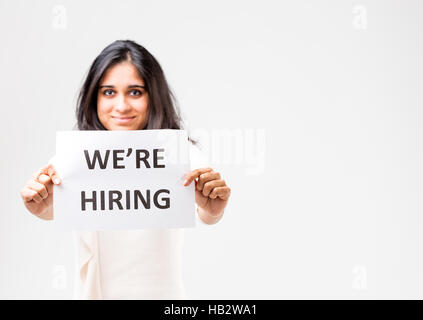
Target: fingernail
[(185, 181), (56, 181)]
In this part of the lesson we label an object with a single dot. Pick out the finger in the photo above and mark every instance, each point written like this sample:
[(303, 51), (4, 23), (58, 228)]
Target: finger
[(30, 195), (209, 186), (52, 173), (39, 188), (194, 174), (37, 174), (206, 177), (46, 180), (221, 192), (27, 194)]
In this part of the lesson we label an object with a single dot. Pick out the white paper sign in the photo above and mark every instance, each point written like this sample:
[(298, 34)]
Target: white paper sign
[(115, 180)]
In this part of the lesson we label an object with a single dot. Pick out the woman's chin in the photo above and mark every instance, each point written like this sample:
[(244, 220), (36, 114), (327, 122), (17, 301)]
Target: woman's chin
[(123, 128)]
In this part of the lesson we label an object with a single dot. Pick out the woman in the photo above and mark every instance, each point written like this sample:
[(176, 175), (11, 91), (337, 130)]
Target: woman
[(126, 89)]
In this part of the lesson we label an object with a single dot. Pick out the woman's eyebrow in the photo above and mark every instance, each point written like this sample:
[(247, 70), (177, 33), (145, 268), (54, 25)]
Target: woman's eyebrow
[(130, 86)]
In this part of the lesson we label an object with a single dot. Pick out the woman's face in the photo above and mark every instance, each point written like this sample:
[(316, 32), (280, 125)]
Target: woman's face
[(122, 101)]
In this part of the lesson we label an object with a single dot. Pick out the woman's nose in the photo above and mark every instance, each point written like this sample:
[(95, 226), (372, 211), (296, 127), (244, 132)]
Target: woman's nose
[(122, 105)]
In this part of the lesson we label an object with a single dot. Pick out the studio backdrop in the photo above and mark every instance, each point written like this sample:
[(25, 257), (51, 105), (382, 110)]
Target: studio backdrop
[(312, 111)]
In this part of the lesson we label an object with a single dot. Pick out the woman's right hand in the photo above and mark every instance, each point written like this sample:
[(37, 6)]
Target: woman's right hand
[(37, 194)]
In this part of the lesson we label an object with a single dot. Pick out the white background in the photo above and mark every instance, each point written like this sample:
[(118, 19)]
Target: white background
[(335, 85)]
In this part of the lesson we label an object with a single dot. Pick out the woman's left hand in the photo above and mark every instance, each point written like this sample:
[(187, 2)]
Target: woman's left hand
[(211, 192)]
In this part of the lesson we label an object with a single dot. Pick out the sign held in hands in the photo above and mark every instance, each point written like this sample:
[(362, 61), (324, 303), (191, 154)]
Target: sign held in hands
[(114, 180)]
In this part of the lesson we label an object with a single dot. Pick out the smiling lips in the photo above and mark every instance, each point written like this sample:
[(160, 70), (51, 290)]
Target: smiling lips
[(123, 120)]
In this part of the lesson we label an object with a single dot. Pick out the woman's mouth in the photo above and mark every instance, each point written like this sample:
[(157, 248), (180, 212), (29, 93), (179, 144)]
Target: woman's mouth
[(123, 120)]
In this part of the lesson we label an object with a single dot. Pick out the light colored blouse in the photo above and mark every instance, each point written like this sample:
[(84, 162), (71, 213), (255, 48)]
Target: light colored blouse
[(132, 264)]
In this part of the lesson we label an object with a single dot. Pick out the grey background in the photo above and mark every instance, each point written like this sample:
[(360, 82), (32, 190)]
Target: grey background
[(336, 86)]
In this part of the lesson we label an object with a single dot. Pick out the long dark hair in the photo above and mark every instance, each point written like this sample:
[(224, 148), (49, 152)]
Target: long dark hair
[(163, 109)]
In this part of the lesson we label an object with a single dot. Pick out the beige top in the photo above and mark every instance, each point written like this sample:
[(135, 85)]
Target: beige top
[(135, 264)]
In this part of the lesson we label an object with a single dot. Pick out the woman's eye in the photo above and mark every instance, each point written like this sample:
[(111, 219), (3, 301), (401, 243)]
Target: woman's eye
[(135, 93), (108, 92)]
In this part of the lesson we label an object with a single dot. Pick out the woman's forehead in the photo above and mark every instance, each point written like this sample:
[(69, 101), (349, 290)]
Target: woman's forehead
[(122, 74)]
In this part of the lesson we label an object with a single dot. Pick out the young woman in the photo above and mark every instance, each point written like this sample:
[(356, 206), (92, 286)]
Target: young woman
[(126, 89)]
